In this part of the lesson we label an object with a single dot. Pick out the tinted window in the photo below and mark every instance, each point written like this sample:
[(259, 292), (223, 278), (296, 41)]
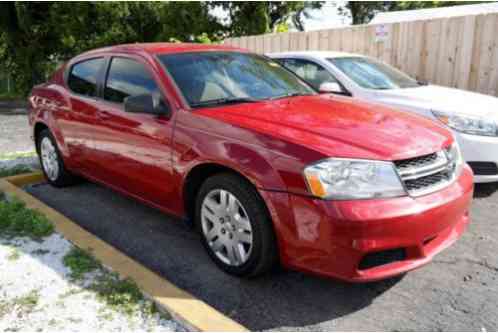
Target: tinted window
[(83, 77), (309, 71), (210, 78), (128, 77), (372, 74)]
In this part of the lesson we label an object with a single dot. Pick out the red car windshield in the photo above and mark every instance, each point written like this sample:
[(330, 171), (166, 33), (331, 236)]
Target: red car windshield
[(213, 78)]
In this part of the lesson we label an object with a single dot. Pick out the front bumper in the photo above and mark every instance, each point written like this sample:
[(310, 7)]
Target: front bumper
[(334, 238), (478, 148)]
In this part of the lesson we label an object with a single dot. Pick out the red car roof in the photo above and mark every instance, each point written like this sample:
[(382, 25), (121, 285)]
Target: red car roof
[(162, 48)]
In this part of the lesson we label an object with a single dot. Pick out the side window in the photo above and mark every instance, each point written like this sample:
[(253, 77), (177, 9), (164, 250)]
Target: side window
[(82, 78), (127, 77), (309, 71)]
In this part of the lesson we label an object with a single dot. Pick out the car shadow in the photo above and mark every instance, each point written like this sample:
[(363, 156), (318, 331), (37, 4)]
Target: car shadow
[(172, 249), (485, 190)]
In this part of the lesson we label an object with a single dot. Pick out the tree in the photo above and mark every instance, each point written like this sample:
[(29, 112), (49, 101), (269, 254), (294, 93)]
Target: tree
[(35, 36), (362, 12), (253, 18), (26, 40)]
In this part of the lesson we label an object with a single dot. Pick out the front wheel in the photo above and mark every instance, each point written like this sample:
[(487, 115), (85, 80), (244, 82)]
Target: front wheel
[(235, 227)]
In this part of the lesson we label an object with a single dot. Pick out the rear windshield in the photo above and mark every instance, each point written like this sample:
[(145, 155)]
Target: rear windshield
[(216, 76), (372, 74)]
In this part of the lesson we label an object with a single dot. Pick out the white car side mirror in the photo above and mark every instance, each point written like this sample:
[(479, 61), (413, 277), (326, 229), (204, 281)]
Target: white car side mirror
[(330, 87)]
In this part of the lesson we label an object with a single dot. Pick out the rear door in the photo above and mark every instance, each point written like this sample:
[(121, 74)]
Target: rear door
[(76, 122), (132, 151)]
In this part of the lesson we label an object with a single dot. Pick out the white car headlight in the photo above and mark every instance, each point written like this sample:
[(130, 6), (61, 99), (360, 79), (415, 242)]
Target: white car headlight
[(343, 179), (467, 123)]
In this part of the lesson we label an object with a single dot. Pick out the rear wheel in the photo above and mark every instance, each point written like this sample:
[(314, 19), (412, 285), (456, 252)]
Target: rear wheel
[(235, 226), (51, 161)]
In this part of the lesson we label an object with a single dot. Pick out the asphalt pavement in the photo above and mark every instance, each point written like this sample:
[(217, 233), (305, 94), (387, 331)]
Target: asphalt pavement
[(458, 291)]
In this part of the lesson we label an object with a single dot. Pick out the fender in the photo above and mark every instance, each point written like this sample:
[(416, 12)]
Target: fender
[(47, 103)]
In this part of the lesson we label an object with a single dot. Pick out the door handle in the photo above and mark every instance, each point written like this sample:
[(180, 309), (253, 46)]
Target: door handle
[(104, 115)]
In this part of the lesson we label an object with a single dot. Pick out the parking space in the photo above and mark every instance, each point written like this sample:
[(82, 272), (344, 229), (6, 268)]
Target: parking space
[(458, 291)]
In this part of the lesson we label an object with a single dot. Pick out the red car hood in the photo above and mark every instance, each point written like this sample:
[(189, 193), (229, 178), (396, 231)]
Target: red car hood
[(338, 126)]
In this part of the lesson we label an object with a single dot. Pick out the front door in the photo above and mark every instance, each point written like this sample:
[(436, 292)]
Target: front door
[(132, 151)]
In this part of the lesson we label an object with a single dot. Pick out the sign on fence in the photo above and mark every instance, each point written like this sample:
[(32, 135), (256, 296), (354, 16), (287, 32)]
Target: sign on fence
[(381, 32)]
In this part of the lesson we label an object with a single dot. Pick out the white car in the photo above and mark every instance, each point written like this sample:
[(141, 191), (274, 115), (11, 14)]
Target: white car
[(472, 117)]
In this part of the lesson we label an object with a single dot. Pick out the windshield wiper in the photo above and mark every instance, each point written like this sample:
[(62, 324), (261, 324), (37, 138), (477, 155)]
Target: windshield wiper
[(294, 94), (224, 101)]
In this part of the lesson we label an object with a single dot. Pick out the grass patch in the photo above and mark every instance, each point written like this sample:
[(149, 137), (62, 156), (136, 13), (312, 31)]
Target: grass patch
[(121, 295), (12, 96), (29, 301), (17, 170), (16, 155), (80, 263), (22, 305), (18, 221), (14, 255)]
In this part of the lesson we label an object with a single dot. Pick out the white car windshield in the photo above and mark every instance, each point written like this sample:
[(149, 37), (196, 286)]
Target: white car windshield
[(214, 78), (372, 74)]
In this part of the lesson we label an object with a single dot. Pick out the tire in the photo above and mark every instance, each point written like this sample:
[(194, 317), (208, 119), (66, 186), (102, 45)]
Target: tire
[(257, 250), (51, 161)]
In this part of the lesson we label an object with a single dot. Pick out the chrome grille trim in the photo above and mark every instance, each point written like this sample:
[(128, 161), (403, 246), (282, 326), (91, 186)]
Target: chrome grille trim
[(426, 174)]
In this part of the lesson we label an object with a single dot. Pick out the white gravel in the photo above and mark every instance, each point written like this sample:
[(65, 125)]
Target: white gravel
[(37, 293)]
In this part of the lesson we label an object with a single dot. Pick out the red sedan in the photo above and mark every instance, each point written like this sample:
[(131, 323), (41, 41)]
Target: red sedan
[(265, 167)]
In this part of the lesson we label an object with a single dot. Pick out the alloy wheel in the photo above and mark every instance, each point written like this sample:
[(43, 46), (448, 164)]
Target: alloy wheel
[(226, 227), (49, 159)]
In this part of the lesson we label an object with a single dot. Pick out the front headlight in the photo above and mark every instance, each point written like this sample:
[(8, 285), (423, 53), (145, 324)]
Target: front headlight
[(342, 179), (467, 123)]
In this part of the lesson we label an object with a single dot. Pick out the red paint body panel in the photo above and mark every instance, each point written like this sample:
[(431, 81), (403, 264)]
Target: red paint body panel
[(330, 238), (269, 143)]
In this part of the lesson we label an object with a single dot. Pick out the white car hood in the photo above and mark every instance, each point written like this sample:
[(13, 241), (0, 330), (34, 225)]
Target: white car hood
[(437, 98)]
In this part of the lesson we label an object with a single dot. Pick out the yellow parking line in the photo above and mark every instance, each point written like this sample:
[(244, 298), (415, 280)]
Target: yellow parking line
[(185, 308)]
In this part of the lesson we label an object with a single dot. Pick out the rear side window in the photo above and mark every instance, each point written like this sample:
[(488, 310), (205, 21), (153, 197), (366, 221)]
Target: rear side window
[(309, 71), (128, 77), (83, 77)]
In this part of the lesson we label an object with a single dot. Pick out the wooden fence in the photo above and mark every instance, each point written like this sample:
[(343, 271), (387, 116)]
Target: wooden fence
[(457, 52)]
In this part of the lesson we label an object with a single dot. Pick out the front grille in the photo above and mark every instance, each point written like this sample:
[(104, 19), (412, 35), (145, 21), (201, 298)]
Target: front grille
[(484, 168), (425, 174), (380, 258), (416, 162), (427, 181)]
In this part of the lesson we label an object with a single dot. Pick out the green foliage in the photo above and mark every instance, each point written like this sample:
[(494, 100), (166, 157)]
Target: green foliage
[(17, 170), (259, 17), (121, 295), (18, 221), (80, 263), (36, 37), (362, 12), (10, 96)]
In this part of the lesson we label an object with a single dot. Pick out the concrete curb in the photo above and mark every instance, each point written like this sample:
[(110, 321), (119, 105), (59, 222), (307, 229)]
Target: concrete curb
[(185, 308)]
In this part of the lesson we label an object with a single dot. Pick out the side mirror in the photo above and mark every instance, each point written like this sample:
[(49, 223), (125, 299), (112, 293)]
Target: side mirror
[(331, 87), (147, 104)]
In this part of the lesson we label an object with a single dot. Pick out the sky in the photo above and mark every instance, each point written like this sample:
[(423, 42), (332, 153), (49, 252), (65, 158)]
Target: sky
[(327, 17)]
